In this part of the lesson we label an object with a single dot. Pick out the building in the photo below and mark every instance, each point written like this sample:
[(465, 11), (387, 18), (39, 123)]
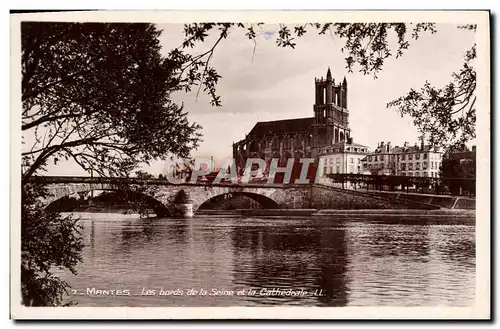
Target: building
[(418, 161), (380, 161), (327, 132), (344, 158)]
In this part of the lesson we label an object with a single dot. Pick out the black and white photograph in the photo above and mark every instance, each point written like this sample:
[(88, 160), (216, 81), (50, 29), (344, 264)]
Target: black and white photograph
[(254, 165)]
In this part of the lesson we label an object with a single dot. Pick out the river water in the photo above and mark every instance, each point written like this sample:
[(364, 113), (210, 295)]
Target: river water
[(307, 261)]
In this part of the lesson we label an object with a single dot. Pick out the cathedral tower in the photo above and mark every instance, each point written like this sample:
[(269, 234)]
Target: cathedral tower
[(331, 116)]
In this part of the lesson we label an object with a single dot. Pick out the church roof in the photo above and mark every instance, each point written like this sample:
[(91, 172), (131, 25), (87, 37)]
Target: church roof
[(301, 125)]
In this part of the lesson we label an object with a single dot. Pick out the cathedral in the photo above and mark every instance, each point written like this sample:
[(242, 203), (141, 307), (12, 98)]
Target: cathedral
[(309, 137)]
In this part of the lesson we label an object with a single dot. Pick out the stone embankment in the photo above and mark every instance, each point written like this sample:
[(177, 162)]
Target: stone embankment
[(442, 201)]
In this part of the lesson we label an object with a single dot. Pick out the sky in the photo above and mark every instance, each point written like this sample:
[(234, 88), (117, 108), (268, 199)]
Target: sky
[(278, 83)]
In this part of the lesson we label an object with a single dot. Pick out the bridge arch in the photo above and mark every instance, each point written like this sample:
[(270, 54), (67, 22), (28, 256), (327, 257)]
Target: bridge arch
[(60, 199), (267, 197), (264, 201)]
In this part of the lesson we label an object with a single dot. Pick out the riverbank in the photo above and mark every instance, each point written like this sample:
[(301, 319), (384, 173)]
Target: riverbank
[(388, 216), (342, 212), (443, 201), (420, 216)]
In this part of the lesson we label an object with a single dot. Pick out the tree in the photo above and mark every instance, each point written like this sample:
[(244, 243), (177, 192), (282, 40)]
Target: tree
[(458, 171), (447, 115), (47, 240), (99, 94)]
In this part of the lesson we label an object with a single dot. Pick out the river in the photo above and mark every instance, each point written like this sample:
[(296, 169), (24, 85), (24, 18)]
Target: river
[(228, 260)]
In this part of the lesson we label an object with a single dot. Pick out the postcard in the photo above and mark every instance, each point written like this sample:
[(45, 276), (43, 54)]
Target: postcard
[(250, 165)]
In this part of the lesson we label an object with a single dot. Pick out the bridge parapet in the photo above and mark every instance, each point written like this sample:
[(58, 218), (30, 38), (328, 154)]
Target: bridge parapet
[(138, 181)]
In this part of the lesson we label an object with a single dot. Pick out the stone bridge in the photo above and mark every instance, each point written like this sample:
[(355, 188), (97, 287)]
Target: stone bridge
[(160, 193)]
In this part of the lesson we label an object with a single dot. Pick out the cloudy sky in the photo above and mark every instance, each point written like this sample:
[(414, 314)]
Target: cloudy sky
[(279, 84)]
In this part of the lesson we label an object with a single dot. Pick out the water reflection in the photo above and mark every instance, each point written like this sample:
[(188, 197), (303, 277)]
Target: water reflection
[(349, 262), (291, 256), (395, 241)]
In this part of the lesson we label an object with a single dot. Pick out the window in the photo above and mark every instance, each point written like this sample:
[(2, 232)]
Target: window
[(417, 174), (376, 158), (425, 174), (432, 164), (381, 158), (403, 166), (424, 165), (417, 156), (338, 161), (410, 156), (410, 174), (404, 157), (417, 166), (410, 166), (403, 174), (370, 158), (352, 160), (425, 156)]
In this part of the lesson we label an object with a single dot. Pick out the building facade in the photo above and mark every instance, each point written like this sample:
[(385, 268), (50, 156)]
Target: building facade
[(418, 161), (310, 137), (344, 158)]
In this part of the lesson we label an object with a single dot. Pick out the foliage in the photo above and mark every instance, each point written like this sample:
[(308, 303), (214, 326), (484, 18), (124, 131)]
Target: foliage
[(445, 116), (99, 94), (366, 46), (421, 184), (141, 196), (458, 168), (48, 241)]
